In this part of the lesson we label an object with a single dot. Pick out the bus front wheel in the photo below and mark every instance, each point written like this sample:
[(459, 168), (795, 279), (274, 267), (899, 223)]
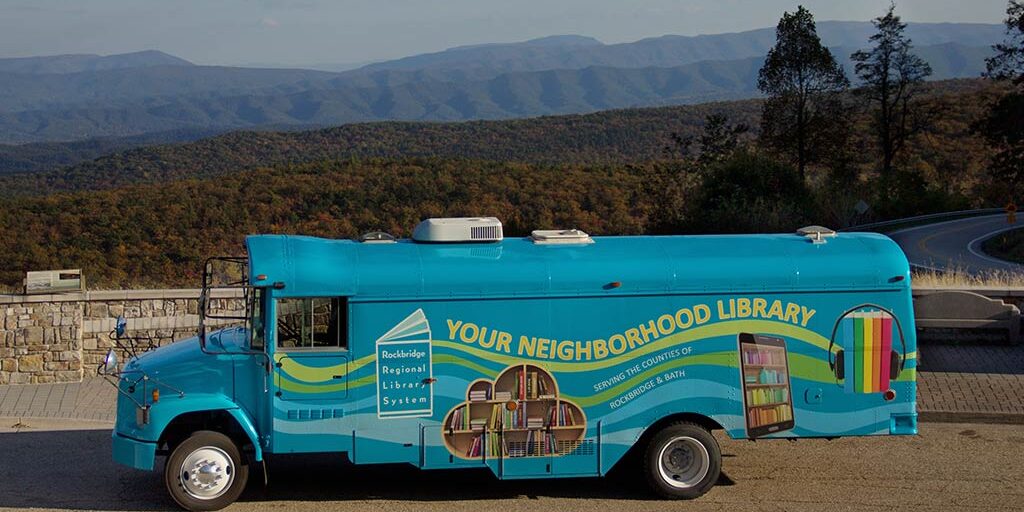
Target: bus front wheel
[(205, 472), (682, 461)]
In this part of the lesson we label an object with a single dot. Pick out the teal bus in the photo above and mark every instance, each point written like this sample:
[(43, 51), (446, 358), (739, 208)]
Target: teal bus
[(552, 355)]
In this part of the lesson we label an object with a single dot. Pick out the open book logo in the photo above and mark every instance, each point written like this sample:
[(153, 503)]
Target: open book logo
[(404, 370), (415, 327)]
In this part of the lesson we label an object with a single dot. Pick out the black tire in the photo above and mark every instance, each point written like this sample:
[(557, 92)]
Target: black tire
[(682, 461), (206, 446)]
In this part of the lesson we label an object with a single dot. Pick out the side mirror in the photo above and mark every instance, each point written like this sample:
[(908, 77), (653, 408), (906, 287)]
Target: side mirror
[(109, 363), (122, 326)]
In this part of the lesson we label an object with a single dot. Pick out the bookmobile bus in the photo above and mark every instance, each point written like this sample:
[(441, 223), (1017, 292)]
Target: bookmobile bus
[(547, 356)]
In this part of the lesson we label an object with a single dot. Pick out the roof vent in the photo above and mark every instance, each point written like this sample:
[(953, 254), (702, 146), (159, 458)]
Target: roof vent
[(560, 237), (816, 234), (459, 229), (377, 237)]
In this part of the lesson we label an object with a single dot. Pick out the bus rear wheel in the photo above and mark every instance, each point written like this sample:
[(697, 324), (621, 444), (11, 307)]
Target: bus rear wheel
[(205, 472), (682, 461)]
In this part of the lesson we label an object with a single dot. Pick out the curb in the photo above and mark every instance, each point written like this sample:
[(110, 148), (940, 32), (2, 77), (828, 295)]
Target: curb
[(55, 419), (1001, 418)]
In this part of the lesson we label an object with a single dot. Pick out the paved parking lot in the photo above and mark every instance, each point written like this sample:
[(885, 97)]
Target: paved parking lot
[(948, 467)]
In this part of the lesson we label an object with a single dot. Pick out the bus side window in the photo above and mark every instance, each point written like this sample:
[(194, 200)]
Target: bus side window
[(312, 323)]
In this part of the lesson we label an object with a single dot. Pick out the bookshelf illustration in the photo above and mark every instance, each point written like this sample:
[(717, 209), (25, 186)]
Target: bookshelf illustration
[(519, 414), (767, 396)]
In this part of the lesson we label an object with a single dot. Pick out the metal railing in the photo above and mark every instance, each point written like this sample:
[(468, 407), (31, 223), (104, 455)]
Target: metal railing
[(930, 216)]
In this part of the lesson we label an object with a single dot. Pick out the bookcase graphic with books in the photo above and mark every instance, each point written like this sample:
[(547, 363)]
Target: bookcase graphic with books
[(519, 414), (767, 400)]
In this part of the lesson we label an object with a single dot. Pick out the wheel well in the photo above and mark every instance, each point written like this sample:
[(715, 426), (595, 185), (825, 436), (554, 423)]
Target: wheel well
[(184, 425), (698, 419), (634, 453)]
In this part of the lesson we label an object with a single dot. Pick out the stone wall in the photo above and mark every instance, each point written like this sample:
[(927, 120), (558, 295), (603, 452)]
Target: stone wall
[(60, 338), (42, 342)]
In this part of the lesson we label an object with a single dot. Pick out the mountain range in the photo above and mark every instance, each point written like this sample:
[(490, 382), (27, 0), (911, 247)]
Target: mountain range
[(125, 97)]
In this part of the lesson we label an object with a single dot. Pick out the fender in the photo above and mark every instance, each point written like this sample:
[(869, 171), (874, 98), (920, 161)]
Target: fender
[(250, 430), (170, 407)]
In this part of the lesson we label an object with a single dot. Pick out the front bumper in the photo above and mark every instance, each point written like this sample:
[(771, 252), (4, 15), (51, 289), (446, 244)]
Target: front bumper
[(133, 453)]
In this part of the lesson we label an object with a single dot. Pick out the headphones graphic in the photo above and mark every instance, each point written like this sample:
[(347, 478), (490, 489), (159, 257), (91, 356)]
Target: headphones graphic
[(896, 360)]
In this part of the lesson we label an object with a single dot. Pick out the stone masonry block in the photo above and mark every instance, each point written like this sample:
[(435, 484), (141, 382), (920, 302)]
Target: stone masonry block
[(33, 335), (31, 363), (69, 376), (20, 378), (98, 310)]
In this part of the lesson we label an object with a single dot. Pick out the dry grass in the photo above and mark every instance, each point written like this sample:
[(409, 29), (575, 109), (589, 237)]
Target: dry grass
[(959, 279)]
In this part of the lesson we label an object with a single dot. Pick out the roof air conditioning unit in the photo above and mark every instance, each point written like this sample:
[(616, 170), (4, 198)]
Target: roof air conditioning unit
[(459, 229)]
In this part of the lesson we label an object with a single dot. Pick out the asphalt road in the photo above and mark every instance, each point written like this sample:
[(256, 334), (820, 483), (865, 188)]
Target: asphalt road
[(956, 244), (947, 467)]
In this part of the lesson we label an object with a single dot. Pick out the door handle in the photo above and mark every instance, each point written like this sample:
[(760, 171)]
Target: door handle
[(337, 376), (429, 380)]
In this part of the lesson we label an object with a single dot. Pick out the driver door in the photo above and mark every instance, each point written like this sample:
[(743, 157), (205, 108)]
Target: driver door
[(311, 363)]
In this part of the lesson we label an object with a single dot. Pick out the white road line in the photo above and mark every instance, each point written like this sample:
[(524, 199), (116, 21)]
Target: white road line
[(986, 236), (970, 245)]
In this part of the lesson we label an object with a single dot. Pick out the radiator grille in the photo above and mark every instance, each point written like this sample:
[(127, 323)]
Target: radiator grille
[(485, 232)]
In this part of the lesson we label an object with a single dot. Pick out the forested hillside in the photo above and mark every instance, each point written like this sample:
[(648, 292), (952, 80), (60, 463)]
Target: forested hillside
[(631, 135), (617, 172), (158, 234), (617, 136)]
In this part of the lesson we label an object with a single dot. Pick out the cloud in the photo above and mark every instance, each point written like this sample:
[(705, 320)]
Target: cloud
[(269, 22)]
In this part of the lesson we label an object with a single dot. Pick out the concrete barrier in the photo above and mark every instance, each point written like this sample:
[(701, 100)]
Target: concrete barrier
[(966, 310)]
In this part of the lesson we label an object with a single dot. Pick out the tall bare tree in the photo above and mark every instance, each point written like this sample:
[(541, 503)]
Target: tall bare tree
[(890, 73), (801, 117)]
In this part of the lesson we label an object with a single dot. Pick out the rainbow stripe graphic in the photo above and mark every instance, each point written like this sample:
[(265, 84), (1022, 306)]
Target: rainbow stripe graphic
[(867, 344)]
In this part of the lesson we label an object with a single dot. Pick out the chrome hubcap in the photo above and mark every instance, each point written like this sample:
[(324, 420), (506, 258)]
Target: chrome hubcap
[(683, 462), (206, 473)]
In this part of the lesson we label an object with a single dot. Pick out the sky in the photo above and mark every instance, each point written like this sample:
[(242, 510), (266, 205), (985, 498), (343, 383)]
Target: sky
[(317, 32)]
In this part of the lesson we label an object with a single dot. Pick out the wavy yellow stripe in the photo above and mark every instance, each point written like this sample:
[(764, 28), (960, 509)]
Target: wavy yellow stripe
[(808, 368), (299, 387), (706, 331), (313, 374)]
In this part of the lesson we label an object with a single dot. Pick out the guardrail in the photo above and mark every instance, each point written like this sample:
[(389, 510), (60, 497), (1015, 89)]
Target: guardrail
[(930, 216)]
